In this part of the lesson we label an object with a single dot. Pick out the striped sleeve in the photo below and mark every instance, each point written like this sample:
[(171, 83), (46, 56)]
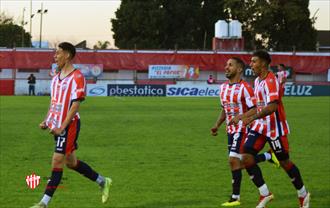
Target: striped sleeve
[(78, 87), (271, 87), (250, 100)]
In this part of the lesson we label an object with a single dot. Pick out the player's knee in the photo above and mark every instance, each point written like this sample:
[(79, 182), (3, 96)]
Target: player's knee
[(248, 160), (234, 162), (57, 162), (70, 165), (286, 164)]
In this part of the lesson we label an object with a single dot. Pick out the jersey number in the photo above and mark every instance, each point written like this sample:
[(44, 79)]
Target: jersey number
[(236, 136), (60, 141), (276, 144)]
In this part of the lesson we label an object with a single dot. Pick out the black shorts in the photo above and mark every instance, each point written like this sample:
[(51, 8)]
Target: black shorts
[(66, 143), (235, 143), (256, 142)]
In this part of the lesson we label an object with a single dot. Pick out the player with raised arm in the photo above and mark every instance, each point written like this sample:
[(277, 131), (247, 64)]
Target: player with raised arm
[(269, 124), (237, 98), (63, 121)]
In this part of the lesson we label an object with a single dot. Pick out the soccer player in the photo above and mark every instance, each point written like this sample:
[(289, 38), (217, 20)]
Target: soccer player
[(63, 121), (236, 97), (269, 125)]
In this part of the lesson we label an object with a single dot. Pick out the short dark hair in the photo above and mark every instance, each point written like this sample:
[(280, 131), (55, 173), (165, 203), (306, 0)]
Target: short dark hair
[(282, 65), (239, 62), (264, 55), (68, 47)]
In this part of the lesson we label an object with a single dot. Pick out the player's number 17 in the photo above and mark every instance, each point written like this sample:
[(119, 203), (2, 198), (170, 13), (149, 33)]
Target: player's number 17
[(60, 141)]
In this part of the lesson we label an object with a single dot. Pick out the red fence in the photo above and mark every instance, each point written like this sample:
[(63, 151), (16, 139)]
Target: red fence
[(7, 87), (140, 60)]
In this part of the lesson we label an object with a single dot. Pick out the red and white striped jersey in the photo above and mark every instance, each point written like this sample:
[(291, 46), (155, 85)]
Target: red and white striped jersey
[(63, 93), (236, 99), (281, 78), (267, 91)]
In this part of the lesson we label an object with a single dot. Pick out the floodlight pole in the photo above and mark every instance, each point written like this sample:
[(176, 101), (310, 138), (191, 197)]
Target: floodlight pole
[(31, 15), (23, 23), (41, 12)]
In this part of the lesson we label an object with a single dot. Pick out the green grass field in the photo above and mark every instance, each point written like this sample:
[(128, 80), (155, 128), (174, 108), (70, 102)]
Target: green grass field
[(159, 153)]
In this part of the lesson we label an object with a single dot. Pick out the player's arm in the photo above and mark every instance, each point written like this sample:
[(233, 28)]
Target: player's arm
[(250, 103), (72, 112), (269, 109), (245, 115), (220, 120), (43, 124)]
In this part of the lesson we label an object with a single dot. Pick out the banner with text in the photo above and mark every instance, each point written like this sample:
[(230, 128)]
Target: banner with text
[(192, 90), (136, 90), (173, 72), (306, 90)]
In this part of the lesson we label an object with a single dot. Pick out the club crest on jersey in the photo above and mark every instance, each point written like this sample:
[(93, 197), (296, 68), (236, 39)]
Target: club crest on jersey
[(64, 86)]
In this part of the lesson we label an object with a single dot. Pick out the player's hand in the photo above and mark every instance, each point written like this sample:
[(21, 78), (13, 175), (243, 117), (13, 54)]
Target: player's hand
[(43, 125), (214, 131), (56, 131), (235, 120)]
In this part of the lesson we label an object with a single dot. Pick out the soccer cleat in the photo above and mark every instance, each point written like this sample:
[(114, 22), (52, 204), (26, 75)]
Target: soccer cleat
[(263, 200), (231, 203), (39, 205), (106, 190), (274, 160), (304, 201)]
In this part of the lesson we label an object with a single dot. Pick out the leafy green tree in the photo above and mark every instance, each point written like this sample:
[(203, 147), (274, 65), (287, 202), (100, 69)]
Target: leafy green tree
[(11, 34), (166, 24), (275, 24)]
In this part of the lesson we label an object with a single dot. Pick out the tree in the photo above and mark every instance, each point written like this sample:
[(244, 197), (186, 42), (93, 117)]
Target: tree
[(275, 24), (11, 34), (166, 24), (101, 45)]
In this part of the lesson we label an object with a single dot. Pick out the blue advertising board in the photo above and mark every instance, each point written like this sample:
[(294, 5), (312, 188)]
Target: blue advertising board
[(306, 90), (136, 90)]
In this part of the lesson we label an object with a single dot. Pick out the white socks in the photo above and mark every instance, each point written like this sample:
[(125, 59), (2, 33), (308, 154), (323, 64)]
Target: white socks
[(302, 192), (45, 199), (268, 156), (100, 180), (263, 190), (235, 196)]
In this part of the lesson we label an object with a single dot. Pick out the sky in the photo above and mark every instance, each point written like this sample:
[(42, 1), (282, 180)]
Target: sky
[(76, 20)]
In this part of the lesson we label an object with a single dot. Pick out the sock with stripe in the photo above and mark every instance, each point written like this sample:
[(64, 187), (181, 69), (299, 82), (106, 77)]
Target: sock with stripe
[(88, 172), (294, 173), (257, 178), (52, 185), (236, 183)]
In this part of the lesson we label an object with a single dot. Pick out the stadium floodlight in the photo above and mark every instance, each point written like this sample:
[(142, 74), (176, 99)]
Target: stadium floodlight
[(41, 12)]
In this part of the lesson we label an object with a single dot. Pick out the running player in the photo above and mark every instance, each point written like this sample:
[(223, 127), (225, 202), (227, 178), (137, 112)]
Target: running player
[(236, 97), (269, 125), (63, 121)]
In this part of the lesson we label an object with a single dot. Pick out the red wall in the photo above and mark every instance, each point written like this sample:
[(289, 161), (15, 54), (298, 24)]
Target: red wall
[(7, 86), (140, 60)]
